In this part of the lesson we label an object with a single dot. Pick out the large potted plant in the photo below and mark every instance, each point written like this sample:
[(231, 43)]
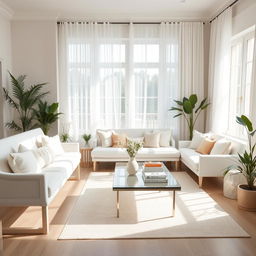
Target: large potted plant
[(188, 109), (23, 100), (46, 115), (246, 193)]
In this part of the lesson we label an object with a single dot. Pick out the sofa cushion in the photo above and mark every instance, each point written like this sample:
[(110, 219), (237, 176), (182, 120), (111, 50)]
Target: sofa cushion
[(24, 162), (60, 170), (151, 140), (54, 144), (120, 153), (191, 157)]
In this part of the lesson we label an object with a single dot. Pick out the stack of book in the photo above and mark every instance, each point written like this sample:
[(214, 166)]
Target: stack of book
[(153, 172)]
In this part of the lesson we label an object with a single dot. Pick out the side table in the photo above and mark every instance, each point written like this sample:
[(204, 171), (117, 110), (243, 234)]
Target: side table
[(86, 159)]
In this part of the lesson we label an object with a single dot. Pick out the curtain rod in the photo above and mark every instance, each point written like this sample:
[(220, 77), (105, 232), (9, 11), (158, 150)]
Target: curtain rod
[(224, 10), (123, 23)]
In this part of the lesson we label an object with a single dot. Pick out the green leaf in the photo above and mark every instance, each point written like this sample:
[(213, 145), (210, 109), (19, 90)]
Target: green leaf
[(179, 102), (53, 107), (193, 100), (184, 99), (177, 115), (174, 108), (188, 109), (247, 123), (12, 125), (201, 104), (205, 106)]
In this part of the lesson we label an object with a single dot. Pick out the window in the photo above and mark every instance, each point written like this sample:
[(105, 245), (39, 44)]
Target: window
[(240, 80), (146, 81)]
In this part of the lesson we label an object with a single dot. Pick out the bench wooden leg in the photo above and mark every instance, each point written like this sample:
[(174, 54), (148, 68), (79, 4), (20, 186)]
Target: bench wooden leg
[(31, 231), (200, 181), (177, 165), (94, 165)]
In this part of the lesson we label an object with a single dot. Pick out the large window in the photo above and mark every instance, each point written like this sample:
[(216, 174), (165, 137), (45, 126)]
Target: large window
[(240, 80)]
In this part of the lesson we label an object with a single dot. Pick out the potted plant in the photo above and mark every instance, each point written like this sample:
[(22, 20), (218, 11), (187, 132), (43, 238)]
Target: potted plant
[(86, 138), (23, 100), (46, 115), (64, 137), (132, 150), (187, 108), (246, 193)]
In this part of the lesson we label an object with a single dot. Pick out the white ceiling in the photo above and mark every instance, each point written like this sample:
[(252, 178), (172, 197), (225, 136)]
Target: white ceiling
[(117, 9)]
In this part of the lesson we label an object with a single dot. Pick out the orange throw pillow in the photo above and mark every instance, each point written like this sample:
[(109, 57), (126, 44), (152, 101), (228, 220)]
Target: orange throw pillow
[(119, 141), (205, 146)]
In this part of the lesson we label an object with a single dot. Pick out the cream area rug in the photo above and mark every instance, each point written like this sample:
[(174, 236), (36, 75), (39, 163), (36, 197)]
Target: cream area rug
[(147, 214)]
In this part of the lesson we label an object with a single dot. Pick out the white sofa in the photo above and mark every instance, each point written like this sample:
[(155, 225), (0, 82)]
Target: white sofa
[(110, 154), (37, 189), (209, 165)]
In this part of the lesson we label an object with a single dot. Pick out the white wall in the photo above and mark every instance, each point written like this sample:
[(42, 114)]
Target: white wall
[(6, 62), (35, 54), (244, 15)]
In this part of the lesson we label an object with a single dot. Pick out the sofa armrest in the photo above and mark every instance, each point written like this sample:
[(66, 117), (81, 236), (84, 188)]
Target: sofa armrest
[(215, 165), (23, 189), (184, 143), (70, 147)]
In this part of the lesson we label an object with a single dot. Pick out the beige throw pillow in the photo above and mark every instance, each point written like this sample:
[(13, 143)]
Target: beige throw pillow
[(151, 140), (119, 140), (205, 146)]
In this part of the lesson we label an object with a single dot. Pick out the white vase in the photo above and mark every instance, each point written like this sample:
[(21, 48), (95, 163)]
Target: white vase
[(132, 166)]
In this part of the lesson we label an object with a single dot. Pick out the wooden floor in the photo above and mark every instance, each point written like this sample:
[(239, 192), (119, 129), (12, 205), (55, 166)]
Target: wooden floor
[(60, 209)]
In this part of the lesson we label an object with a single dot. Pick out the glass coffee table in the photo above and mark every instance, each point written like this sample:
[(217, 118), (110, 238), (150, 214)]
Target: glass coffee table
[(122, 181)]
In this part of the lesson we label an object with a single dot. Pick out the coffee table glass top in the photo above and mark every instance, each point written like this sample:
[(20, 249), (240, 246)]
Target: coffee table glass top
[(122, 180)]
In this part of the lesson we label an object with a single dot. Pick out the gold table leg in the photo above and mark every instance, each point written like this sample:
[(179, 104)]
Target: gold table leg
[(117, 204), (173, 203)]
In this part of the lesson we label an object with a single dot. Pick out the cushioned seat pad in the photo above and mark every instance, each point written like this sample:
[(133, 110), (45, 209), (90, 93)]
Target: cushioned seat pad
[(115, 153), (191, 157), (60, 170)]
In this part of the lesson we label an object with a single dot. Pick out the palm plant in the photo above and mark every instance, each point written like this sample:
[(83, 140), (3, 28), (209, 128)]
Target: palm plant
[(23, 100), (187, 108), (46, 115)]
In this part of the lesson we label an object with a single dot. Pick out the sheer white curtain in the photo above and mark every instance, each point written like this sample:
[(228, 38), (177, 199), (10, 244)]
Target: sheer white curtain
[(253, 85), (91, 76), (114, 76), (219, 72)]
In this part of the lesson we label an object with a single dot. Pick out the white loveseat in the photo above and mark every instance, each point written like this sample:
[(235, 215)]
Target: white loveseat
[(209, 165), (39, 189), (110, 154)]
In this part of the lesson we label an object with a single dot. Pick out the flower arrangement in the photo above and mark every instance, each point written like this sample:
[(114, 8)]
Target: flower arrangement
[(133, 148)]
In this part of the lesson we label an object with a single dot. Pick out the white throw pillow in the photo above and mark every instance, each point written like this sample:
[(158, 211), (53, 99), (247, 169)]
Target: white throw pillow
[(25, 162), (54, 144), (105, 138), (197, 139), (221, 147), (44, 156), (151, 140), (165, 137)]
